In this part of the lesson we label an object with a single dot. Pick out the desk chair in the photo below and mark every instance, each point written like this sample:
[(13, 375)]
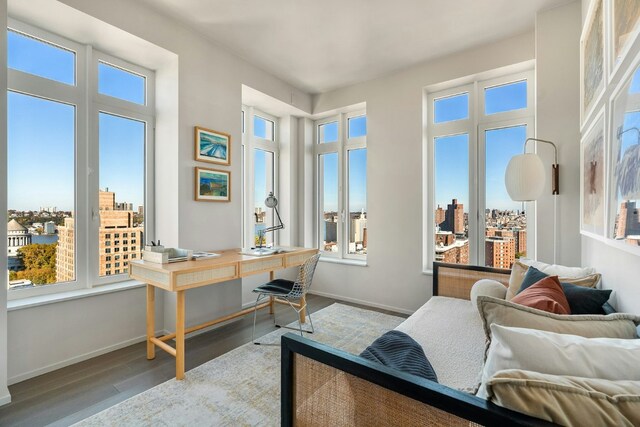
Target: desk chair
[(286, 290)]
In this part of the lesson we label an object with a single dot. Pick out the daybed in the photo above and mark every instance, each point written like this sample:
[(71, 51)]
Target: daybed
[(325, 386)]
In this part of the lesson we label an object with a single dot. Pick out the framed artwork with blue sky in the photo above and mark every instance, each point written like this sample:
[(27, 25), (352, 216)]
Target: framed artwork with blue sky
[(212, 146), (212, 185)]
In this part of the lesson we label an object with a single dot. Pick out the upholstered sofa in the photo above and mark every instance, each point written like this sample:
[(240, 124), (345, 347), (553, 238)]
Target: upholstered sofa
[(326, 386)]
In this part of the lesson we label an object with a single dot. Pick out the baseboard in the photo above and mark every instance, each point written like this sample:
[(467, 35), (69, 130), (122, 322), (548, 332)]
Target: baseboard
[(75, 359), (358, 301), (5, 396)]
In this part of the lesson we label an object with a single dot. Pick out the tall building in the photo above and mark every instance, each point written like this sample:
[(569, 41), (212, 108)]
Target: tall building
[(499, 252), (49, 227), (521, 241), (440, 215), (454, 218), (628, 222), (358, 225), (120, 240)]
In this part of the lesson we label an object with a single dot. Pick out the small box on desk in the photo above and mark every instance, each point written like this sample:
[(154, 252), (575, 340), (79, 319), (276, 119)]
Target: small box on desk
[(162, 255)]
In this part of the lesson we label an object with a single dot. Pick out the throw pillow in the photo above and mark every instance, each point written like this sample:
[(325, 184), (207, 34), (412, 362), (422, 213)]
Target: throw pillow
[(567, 400), (576, 276), (506, 313), (560, 354), (546, 294), (582, 300), (399, 351), (489, 287)]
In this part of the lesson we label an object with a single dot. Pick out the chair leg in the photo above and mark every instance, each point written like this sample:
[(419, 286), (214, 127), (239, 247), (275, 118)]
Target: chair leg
[(255, 315), (299, 328)]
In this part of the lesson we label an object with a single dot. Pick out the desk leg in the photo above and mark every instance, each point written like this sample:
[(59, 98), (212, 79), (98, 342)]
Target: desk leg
[(151, 320), (180, 335), (272, 277), (303, 312)]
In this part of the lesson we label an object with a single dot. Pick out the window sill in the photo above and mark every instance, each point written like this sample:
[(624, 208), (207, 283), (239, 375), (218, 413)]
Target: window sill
[(427, 272), (356, 262), (39, 300)]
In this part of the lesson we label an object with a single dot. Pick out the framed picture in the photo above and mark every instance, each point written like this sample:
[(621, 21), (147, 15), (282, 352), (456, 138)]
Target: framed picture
[(212, 146), (624, 175), (625, 25), (212, 185), (592, 58), (592, 179)]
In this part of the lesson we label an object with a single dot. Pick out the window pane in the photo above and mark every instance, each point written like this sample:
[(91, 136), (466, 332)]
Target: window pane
[(625, 153), (262, 128), (118, 83), (328, 132), (121, 196), (451, 108), (452, 198), (41, 191), (506, 220), (357, 126), (329, 200), (263, 184), (358, 201), (499, 99), (37, 57)]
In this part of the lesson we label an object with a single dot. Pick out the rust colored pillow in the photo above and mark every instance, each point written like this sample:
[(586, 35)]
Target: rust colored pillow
[(545, 294)]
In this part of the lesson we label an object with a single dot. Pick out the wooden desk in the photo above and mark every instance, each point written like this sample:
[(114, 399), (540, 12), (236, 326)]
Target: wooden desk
[(180, 276)]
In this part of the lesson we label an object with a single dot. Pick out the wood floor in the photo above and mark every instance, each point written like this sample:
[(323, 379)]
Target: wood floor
[(70, 394)]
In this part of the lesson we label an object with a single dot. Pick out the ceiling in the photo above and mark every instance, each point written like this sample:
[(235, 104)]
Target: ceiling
[(320, 45)]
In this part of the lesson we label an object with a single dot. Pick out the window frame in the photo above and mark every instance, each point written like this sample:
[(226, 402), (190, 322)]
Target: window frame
[(83, 95), (475, 127), (342, 146), (249, 144)]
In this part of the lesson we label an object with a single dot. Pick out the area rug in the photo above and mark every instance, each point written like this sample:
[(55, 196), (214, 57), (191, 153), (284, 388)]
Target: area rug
[(241, 387)]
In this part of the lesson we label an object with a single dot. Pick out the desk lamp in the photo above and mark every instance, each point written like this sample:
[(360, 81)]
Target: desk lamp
[(270, 202)]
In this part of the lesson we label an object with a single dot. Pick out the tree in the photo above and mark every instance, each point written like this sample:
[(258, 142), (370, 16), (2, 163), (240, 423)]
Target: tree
[(39, 262)]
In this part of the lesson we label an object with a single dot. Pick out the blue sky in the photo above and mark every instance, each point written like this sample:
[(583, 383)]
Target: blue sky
[(42, 133)]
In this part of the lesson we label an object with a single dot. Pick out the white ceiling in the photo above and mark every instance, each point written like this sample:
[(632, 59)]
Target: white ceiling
[(319, 45)]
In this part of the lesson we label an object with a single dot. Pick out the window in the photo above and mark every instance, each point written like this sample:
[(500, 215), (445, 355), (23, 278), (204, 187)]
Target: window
[(473, 132), (97, 114), (260, 150), (341, 153)]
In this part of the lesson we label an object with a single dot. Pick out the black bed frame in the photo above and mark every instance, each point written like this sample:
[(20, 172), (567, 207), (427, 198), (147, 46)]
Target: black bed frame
[(450, 400)]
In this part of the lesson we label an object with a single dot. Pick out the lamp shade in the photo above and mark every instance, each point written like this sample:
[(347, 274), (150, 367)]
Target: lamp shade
[(271, 201), (524, 177)]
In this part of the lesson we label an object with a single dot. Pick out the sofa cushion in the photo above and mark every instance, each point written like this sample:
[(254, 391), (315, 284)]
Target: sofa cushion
[(449, 329), (576, 276), (399, 351), (506, 313), (567, 400), (582, 299), (488, 287), (545, 294), (560, 354)]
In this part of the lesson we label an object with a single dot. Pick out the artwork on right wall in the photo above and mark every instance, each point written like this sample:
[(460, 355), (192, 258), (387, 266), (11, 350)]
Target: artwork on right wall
[(610, 129)]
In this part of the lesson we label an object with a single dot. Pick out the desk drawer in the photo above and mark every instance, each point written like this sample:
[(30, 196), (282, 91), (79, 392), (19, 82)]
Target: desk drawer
[(298, 259), (150, 276), (212, 275), (257, 266)]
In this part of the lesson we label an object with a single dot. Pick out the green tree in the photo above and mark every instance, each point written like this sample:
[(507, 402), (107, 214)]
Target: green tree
[(39, 262)]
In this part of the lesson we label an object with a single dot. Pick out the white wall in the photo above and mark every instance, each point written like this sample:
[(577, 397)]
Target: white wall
[(208, 90), (393, 278), (620, 269)]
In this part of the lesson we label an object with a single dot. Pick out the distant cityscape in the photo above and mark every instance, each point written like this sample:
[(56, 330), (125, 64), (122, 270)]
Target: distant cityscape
[(357, 232), (41, 244)]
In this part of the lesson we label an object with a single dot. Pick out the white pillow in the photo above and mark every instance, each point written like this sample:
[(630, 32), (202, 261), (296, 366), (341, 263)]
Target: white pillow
[(487, 287), (560, 354), (558, 270)]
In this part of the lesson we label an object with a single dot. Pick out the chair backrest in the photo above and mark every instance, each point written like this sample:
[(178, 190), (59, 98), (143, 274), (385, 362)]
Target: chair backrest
[(305, 276)]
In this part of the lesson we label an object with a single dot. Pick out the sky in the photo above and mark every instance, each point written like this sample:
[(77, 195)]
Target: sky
[(42, 133), (452, 152)]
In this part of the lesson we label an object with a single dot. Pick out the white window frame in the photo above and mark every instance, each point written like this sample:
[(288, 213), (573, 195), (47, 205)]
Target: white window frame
[(250, 143), (83, 95), (475, 126), (342, 146)]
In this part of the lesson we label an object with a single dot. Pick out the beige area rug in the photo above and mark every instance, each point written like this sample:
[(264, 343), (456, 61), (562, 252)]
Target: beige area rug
[(241, 387)]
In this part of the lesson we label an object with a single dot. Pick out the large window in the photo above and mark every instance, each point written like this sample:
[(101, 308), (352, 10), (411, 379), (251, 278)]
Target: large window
[(65, 227), (260, 150), (341, 153), (473, 131)]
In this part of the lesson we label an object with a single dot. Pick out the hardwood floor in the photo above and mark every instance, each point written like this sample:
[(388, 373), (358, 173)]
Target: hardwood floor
[(70, 394)]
